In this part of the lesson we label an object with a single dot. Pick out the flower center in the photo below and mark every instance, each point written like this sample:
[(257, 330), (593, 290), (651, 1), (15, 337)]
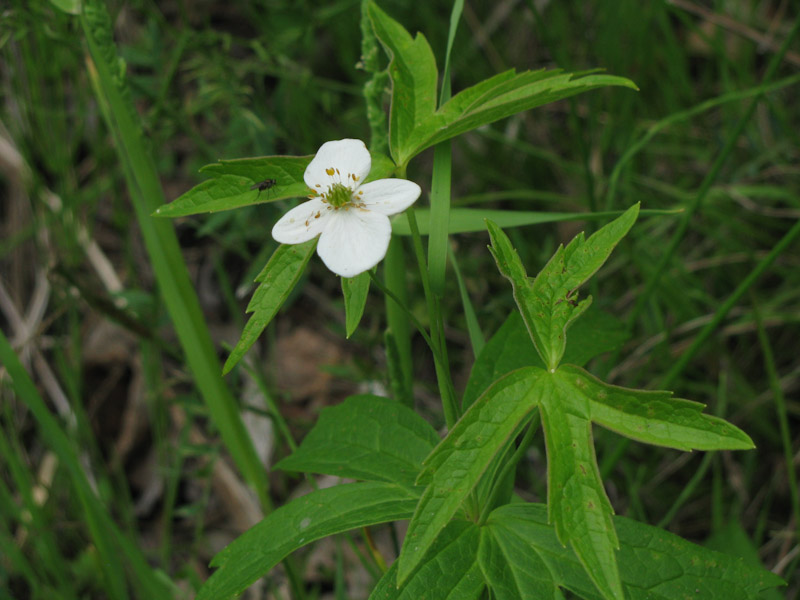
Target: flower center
[(338, 195)]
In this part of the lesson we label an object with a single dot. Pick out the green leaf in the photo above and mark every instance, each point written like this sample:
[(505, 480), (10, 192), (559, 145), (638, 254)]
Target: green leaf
[(412, 68), (653, 417), (496, 98), (365, 437), (355, 291), (314, 516), (277, 279), (733, 540), (467, 220), (579, 507), (449, 572), (514, 564), (456, 465), (655, 564), (232, 181), (549, 304), (571, 399), (72, 7), (511, 348)]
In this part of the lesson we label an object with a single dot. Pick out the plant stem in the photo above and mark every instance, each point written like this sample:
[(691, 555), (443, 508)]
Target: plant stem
[(446, 390)]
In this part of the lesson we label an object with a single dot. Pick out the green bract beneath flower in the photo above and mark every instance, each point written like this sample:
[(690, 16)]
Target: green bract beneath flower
[(350, 218)]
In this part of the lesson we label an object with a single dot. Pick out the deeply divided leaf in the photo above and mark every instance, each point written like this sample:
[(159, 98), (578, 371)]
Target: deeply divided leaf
[(449, 571), (366, 437), (497, 98), (579, 507), (549, 303), (317, 515), (455, 466), (412, 68), (653, 417), (511, 348), (276, 280), (521, 554)]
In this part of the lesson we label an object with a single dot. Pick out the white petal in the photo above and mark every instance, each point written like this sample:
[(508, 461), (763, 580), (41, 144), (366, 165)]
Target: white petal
[(354, 241), (304, 222), (388, 196), (349, 160)]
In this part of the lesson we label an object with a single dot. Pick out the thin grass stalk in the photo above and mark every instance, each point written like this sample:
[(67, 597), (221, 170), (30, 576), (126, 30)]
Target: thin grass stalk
[(162, 245), (708, 181), (783, 418), (110, 543)]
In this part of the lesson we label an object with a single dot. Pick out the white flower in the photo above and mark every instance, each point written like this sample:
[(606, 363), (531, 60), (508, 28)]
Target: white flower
[(351, 218)]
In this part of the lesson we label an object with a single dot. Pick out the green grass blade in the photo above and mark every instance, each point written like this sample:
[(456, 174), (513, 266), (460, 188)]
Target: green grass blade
[(101, 527), (476, 338), (162, 245), (710, 178)]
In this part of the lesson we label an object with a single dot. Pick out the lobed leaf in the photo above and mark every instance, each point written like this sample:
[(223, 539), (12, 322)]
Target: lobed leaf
[(365, 437), (578, 505), (449, 571), (457, 463), (412, 68), (355, 291), (548, 304), (655, 564), (653, 417), (511, 348), (277, 280), (311, 517), (497, 98)]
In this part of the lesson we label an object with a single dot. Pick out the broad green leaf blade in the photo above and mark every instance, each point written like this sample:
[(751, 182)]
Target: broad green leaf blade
[(733, 540), (288, 169), (507, 96), (232, 181), (549, 304), (317, 515), (508, 350), (366, 437), (412, 68), (653, 417), (457, 463), (511, 348), (467, 220), (512, 566), (227, 192), (72, 7), (578, 505), (355, 291), (277, 280), (595, 333), (449, 572), (655, 564)]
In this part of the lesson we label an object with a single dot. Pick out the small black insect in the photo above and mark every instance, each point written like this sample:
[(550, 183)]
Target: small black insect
[(264, 185)]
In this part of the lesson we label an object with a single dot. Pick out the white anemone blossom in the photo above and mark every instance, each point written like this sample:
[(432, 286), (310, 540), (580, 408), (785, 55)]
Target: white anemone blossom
[(350, 217)]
